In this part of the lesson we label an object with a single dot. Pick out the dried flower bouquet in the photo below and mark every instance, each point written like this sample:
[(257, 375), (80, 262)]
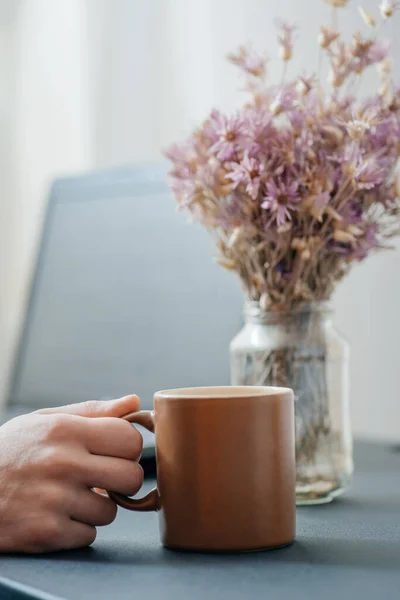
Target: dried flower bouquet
[(300, 183)]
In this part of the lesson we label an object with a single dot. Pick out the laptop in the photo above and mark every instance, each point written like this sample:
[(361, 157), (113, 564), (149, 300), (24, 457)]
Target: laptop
[(125, 296)]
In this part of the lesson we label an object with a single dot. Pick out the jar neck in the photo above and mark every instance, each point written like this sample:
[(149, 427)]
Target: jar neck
[(293, 315)]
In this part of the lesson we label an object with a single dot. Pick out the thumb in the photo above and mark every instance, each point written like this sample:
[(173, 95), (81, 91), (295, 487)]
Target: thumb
[(98, 408)]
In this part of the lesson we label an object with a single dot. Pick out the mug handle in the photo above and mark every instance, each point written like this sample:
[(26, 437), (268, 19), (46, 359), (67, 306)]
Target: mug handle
[(150, 502)]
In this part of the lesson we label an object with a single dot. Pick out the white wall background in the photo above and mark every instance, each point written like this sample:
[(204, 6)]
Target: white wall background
[(92, 83)]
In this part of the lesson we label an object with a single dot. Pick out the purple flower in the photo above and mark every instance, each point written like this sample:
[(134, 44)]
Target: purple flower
[(367, 52), (285, 39), (227, 131), (366, 242), (206, 175), (298, 169), (248, 173), (306, 83), (280, 199), (210, 126), (340, 64), (297, 119), (178, 153), (385, 134), (181, 174), (377, 52), (183, 187), (284, 100), (352, 155), (352, 213), (321, 201), (368, 174), (258, 128), (361, 121), (249, 61)]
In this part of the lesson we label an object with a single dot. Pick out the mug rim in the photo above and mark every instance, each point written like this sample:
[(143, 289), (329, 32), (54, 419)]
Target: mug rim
[(222, 392)]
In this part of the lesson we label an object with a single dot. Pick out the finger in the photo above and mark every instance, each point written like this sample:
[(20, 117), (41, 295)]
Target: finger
[(88, 507), (116, 474), (113, 437), (58, 533), (98, 408), (77, 535)]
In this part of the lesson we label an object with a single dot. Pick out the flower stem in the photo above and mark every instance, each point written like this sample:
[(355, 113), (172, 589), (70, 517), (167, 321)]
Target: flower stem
[(319, 67), (284, 72), (334, 19)]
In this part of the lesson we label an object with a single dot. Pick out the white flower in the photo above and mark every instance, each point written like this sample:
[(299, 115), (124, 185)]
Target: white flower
[(361, 121), (356, 128), (387, 8)]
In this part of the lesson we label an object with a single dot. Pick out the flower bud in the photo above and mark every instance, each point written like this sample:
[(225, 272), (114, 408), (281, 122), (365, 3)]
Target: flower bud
[(305, 255), (225, 263), (387, 8), (367, 17), (343, 237)]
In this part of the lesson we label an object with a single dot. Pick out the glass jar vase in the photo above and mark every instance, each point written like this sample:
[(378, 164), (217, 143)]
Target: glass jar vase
[(300, 349)]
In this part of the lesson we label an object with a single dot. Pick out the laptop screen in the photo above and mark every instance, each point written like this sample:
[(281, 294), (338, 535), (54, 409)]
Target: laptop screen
[(125, 298)]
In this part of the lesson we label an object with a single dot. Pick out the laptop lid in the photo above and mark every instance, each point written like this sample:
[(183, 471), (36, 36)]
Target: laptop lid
[(125, 296)]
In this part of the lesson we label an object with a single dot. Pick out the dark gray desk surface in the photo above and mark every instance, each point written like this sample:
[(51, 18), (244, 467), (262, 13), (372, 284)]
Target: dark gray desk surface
[(349, 549)]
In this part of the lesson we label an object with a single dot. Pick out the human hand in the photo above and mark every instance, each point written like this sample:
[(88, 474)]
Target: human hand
[(51, 460)]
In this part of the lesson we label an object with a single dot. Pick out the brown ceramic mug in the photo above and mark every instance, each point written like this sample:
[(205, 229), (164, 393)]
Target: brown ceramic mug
[(225, 468)]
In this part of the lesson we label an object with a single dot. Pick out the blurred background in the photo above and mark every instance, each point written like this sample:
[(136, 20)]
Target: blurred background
[(89, 84)]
